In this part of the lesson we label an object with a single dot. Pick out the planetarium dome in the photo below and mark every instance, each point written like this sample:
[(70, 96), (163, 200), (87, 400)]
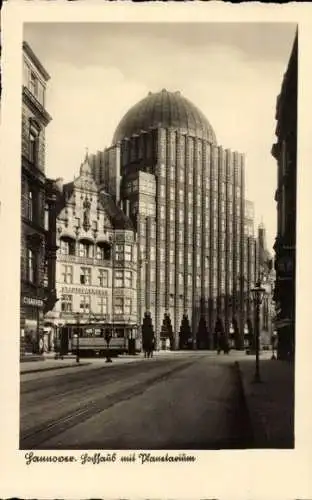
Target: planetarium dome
[(168, 110)]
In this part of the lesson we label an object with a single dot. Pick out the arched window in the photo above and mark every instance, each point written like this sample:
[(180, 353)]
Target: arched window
[(103, 251), (67, 246)]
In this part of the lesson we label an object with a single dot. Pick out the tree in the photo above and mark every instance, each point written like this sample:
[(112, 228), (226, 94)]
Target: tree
[(166, 330), (202, 340), (147, 333), (185, 335)]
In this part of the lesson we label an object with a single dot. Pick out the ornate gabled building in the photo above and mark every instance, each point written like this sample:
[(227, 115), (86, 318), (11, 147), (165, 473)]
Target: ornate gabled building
[(186, 198), (96, 266), (285, 152), (38, 249)]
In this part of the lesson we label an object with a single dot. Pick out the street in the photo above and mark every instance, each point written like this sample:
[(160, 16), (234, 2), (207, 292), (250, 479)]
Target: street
[(175, 401)]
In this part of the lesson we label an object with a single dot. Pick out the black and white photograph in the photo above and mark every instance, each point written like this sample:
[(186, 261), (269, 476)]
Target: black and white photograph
[(158, 236)]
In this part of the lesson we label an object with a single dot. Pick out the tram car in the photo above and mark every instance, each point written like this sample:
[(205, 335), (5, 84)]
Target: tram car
[(91, 340)]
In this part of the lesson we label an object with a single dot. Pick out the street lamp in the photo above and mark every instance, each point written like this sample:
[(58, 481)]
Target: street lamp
[(257, 294), (273, 341)]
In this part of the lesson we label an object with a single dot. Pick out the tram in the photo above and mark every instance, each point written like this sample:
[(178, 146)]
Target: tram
[(91, 339)]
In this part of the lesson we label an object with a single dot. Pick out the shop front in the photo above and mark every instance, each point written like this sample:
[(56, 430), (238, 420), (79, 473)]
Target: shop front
[(31, 325)]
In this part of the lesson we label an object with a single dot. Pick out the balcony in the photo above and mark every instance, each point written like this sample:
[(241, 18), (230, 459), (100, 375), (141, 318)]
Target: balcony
[(87, 261)]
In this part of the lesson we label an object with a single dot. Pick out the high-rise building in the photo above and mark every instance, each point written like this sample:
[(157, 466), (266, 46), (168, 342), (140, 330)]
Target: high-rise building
[(96, 267), (186, 197), (38, 223), (285, 152)]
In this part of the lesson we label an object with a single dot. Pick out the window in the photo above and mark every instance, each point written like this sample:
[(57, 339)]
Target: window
[(162, 255), (33, 84), (198, 281), (118, 305), (67, 274), (153, 231), (33, 146), (128, 253), (162, 232), (162, 191), (30, 208), (102, 305), (190, 238), (127, 306), (189, 280), (100, 253), (152, 253), (103, 278), (198, 222), (181, 280), (181, 215), (172, 236), (85, 276), (85, 249), (171, 256), (67, 303), (153, 275), (171, 277), (198, 260), (162, 212), (128, 279), (181, 195), (189, 259), (46, 217), (118, 279), (180, 257), (181, 237), (31, 265), (171, 214), (190, 218), (172, 194), (181, 174), (64, 247), (85, 303)]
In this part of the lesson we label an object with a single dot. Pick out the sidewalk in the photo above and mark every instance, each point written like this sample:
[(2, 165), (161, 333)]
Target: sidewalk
[(49, 363), (270, 404)]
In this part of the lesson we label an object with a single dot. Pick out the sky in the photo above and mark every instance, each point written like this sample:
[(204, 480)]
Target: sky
[(231, 71)]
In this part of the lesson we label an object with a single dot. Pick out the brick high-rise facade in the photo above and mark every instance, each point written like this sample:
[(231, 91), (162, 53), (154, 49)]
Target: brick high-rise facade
[(186, 196), (37, 220)]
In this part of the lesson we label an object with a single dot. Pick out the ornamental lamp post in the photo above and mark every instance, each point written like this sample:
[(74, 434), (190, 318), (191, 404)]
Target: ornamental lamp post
[(257, 294)]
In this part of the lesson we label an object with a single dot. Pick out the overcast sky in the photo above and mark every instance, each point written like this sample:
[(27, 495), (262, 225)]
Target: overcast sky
[(232, 72)]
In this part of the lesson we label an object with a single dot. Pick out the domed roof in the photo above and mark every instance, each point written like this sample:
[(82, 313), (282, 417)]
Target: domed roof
[(165, 109)]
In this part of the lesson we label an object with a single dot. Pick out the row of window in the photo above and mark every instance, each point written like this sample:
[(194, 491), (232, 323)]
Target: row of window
[(122, 305), (32, 82), (122, 279), (100, 252)]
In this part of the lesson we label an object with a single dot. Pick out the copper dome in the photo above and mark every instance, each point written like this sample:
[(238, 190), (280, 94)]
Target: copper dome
[(165, 109)]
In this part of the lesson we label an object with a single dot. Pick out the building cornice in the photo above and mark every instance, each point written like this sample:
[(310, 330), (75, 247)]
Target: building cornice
[(35, 106), (28, 50)]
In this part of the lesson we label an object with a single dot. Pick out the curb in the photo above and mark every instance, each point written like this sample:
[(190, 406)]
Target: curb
[(245, 405), (25, 372)]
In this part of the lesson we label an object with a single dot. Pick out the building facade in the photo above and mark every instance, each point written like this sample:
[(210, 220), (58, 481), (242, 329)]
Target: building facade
[(37, 226), (186, 198), (96, 267), (285, 152)]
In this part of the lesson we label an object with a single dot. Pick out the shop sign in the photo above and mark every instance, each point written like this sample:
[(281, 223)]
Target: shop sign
[(31, 301)]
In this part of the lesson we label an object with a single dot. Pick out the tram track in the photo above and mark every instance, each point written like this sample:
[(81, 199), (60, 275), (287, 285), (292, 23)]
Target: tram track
[(35, 437)]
